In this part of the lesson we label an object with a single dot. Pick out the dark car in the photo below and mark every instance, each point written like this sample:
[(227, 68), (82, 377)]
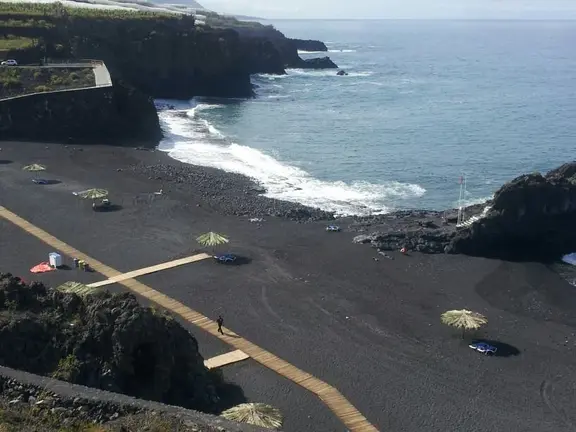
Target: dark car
[(225, 258), (483, 348)]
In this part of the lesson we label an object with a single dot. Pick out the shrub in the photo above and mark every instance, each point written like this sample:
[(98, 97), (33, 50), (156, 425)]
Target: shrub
[(42, 89)]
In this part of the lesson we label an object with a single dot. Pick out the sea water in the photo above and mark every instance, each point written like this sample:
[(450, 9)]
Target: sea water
[(423, 103)]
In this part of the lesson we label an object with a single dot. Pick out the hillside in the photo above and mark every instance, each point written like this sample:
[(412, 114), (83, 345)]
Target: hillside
[(161, 54)]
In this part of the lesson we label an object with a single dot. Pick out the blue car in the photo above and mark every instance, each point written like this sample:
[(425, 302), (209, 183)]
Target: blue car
[(225, 258), (483, 348), (40, 181), (333, 228)]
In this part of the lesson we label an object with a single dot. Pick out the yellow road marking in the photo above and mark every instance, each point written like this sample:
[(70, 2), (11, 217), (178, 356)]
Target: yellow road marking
[(332, 398), (151, 269)]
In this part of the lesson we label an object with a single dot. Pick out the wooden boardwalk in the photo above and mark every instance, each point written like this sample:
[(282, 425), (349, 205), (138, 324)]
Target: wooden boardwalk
[(344, 410), (151, 269), (226, 359)]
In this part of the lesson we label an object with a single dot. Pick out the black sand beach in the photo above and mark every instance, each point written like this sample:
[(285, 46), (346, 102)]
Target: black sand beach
[(369, 328)]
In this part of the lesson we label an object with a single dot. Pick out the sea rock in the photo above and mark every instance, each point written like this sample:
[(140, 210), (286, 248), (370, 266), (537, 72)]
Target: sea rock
[(114, 344), (308, 45), (532, 217), (318, 63), (342, 73)]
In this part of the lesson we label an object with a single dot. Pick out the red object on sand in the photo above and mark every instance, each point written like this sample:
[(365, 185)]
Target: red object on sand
[(403, 250), (43, 267)]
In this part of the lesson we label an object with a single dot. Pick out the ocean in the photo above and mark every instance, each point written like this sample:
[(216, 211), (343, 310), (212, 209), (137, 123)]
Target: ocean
[(424, 103)]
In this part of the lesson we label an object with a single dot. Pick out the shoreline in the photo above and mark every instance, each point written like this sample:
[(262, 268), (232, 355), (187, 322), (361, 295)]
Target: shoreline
[(308, 295)]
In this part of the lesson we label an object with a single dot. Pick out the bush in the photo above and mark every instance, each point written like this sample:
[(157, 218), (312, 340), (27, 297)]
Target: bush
[(68, 368), (42, 89)]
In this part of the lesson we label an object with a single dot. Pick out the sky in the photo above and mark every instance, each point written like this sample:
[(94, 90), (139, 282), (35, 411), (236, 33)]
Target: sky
[(398, 9)]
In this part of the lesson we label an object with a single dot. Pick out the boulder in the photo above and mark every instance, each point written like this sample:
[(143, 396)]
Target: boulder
[(103, 340), (342, 73)]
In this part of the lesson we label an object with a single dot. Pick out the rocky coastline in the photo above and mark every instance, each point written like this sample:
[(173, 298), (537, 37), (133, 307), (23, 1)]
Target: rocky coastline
[(530, 218)]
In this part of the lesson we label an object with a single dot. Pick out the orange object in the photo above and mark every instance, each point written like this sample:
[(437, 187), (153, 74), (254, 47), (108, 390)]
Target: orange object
[(43, 267)]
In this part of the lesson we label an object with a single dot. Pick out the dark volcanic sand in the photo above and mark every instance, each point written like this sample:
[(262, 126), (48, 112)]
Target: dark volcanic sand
[(370, 328)]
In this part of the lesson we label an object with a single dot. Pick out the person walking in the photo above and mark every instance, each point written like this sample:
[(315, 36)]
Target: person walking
[(220, 321)]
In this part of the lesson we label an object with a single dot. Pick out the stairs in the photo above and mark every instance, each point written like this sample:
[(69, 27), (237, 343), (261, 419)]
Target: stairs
[(468, 222)]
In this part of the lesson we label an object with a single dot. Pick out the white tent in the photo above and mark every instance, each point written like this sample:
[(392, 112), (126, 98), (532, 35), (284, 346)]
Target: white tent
[(570, 258)]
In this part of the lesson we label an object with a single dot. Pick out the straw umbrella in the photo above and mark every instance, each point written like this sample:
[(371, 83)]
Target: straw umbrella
[(93, 194), (257, 414), (35, 168), (463, 319), (76, 288), (212, 239)]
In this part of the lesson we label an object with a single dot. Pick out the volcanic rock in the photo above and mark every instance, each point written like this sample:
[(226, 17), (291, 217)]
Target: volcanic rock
[(318, 63), (103, 340), (342, 73), (532, 217)]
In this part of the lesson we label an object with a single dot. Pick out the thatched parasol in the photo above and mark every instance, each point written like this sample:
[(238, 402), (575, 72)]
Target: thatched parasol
[(76, 288), (464, 319), (93, 194), (257, 414), (212, 239), (34, 168)]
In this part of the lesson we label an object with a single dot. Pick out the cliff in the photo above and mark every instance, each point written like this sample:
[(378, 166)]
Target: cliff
[(286, 47), (118, 114), (530, 218), (162, 55)]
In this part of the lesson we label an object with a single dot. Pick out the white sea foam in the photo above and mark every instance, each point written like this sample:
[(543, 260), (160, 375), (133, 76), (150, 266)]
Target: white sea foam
[(191, 139), (325, 73), (310, 52)]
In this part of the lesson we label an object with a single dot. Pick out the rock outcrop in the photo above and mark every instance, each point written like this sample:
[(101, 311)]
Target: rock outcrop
[(308, 45), (317, 63), (531, 217), (104, 341), (119, 115)]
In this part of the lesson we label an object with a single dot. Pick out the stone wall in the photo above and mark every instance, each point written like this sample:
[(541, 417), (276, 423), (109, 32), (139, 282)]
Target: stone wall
[(103, 115)]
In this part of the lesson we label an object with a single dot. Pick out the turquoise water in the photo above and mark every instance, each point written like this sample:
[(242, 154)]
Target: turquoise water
[(423, 102)]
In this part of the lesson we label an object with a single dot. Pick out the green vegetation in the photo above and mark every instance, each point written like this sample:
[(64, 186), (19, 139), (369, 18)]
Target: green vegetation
[(29, 418), (9, 42), (19, 11), (68, 369), (15, 81)]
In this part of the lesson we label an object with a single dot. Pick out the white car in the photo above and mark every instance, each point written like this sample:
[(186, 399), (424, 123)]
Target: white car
[(9, 63)]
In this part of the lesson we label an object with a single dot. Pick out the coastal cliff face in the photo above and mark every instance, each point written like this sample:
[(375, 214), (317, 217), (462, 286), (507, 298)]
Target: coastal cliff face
[(106, 115), (532, 216), (103, 340)]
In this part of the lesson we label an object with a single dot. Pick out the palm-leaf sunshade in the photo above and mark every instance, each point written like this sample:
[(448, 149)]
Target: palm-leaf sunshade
[(212, 239), (93, 194), (34, 167), (464, 319), (257, 414)]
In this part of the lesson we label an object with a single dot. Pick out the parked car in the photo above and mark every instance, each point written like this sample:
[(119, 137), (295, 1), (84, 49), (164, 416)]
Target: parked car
[(483, 348), (227, 258), (333, 228), (9, 63), (40, 181)]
